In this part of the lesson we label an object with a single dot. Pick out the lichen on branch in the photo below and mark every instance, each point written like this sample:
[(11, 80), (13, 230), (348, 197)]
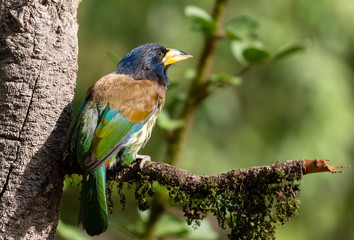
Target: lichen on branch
[(251, 202)]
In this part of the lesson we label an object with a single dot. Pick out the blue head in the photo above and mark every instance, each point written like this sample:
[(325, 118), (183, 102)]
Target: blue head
[(150, 61)]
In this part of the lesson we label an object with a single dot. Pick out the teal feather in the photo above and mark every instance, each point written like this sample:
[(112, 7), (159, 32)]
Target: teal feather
[(93, 208)]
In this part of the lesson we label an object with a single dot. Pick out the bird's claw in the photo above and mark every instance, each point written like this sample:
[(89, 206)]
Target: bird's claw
[(143, 159)]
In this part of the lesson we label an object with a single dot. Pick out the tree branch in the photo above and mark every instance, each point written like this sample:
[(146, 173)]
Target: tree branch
[(166, 174), (265, 195)]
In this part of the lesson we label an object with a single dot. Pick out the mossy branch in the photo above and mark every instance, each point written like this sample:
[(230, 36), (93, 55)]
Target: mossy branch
[(251, 202), (170, 175)]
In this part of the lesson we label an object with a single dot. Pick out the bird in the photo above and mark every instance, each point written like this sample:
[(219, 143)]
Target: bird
[(114, 121)]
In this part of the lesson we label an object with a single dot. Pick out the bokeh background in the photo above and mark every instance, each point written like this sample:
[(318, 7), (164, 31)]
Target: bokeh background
[(300, 107)]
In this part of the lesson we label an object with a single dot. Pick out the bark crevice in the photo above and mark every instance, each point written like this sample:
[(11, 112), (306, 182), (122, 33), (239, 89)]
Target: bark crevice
[(6, 182)]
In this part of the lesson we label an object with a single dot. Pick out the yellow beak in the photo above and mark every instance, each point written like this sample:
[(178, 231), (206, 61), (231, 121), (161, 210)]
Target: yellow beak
[(173, 56)]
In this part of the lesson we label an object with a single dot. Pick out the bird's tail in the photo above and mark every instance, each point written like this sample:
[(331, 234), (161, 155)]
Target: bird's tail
[(93, 208)]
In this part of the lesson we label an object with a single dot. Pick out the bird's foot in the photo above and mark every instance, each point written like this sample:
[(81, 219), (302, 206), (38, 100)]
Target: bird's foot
[(143, 159)]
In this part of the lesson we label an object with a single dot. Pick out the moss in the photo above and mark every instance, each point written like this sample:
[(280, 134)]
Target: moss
[(109, 192), (122, 197), (252, 206)]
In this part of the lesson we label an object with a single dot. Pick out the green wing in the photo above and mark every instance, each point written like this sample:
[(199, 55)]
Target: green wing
[(98, 135), (112, 132)]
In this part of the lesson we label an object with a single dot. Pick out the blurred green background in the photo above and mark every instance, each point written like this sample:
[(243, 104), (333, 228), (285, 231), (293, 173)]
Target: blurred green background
[(300, 107)]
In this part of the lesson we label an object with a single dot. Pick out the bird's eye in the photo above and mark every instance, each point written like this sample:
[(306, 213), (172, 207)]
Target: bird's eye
[(158, 52)]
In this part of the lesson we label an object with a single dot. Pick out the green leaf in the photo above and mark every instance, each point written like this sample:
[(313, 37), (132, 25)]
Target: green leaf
[(289, 51), (255, 55), (242, 28), (249, 52), (165, 122), (225, 78), (237, 48), (196, 12), (113, 58), (202, 20)]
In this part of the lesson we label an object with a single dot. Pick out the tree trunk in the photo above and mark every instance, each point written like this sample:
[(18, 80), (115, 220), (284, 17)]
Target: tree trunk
[(38, 65)]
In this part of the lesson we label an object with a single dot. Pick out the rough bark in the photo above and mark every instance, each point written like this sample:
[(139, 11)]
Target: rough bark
[(38, 64)]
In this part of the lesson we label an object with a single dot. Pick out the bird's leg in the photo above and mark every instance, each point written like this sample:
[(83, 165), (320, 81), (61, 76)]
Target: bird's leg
[(143, 159)]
